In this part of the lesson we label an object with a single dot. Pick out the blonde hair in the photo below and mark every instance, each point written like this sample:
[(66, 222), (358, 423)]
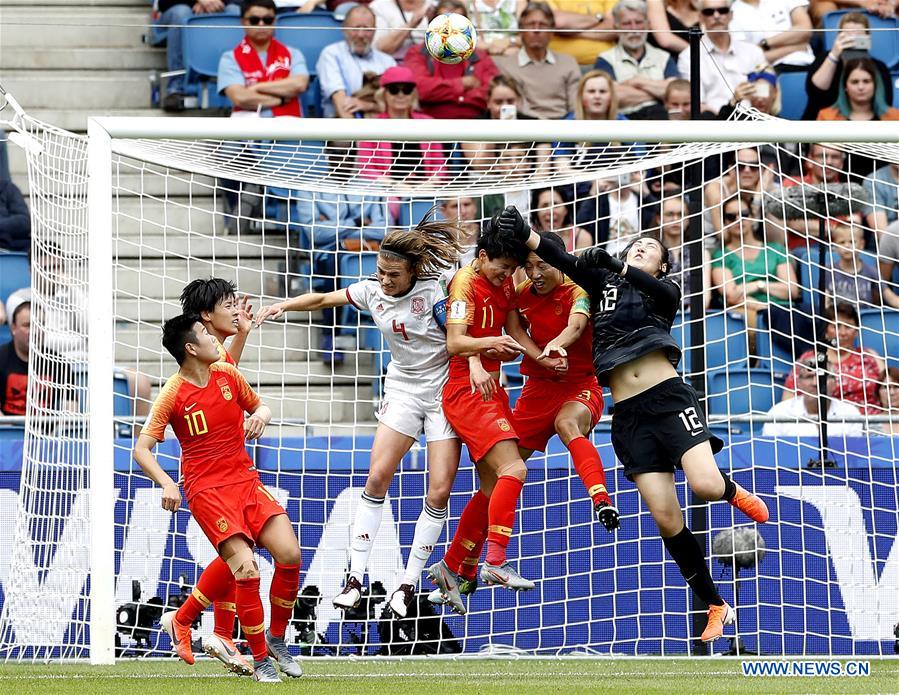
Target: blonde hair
[(432, 246), (612, 113)]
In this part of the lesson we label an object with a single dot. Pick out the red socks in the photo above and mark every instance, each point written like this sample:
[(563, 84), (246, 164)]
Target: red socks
[(501, 517), (589, 467), (216, 583), (224, 610), (469, 536), (283, 594), (252, 617)]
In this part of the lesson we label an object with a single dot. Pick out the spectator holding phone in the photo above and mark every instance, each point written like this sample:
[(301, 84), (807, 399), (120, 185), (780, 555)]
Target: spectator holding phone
[(860, 97), (824, 76)]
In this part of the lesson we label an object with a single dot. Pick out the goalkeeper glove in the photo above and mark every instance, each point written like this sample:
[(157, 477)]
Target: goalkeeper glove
[(601, 258), (510, 222)]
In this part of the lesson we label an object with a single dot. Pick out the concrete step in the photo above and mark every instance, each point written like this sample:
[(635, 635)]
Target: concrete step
[(195, 245), (75, 120), (72, 26), (166, 279), (77, 88), (155, 311), (84, 58), (29, 4)]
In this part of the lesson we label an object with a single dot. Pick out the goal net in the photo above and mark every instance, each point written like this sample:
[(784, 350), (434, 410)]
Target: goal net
[(125, 218)]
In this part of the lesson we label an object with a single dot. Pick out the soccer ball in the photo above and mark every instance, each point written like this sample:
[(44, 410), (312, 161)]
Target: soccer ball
[(451, 38)]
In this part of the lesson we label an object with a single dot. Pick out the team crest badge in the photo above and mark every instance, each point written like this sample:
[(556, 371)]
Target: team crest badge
[(225, 388), (558, 309), (221, 524), (418, 305), (504, 424)]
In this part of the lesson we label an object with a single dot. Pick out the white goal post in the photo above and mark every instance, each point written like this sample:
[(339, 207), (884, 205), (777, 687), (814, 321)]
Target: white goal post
[(154, 191)]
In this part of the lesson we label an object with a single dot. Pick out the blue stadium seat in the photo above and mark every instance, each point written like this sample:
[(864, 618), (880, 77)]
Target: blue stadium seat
[(14, 273), (894, 76), (880, 332), (793, 97), (809, 271), (311, 99), (413, 211), (726, 340), (351, 267), (309, 33), (741, 391), (884, 35), (771, 356), (206, 37)]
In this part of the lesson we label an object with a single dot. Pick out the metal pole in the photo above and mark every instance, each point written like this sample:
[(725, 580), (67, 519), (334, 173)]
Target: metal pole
[(698, 520)]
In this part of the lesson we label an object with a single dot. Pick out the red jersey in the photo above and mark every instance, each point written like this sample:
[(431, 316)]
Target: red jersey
[(208, 421), (483, 307), (546, 316)]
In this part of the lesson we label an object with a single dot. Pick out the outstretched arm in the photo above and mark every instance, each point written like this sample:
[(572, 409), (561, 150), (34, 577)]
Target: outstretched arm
[(313, 301), (665, 293)]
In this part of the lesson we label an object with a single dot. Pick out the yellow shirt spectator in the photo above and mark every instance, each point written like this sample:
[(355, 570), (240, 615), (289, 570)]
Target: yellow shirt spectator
[(584, 51)]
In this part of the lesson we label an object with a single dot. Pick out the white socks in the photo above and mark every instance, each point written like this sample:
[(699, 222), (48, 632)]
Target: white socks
[(365, 528), (427, 532)]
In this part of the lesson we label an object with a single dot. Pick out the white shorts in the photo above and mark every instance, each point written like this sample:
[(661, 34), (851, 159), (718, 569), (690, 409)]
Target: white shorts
[(407, 410)]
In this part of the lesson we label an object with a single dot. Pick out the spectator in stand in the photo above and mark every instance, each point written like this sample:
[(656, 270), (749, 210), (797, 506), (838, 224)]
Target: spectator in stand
[(551, 212), (759, 91), (851, 279), (342, 66), (400, 24), (451, 91), (724, 61), (261, 74), (641, 72), (881, 8), (677, 100), (860, 97), (549, 80), (888, 394), (781, 28), (15, 220), (883, 190), (464, 211), (51, 391), (857, 372), (400, 161), (888, 258), (749, 274), (797, 416), (671, 222), (746, 178), (825, 73), (669, 22), (497, 22), (585, 28), (170, 28)]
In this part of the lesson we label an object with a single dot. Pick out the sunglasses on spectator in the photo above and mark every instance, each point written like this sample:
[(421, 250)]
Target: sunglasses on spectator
[(256, 21), (747, 165), (734, 216), (400, 88), (709, 11)]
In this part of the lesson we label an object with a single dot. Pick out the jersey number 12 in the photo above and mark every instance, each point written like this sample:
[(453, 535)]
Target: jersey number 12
[(609, 299)]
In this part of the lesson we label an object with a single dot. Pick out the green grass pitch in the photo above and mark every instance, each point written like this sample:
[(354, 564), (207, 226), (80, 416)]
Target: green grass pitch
[(438, 677)]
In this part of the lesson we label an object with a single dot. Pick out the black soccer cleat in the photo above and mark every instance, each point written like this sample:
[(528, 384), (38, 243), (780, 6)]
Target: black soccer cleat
[(607, 515)]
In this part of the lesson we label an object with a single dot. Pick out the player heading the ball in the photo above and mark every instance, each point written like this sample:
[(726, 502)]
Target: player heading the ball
[(407, 302), (205, 402), (658, 425)]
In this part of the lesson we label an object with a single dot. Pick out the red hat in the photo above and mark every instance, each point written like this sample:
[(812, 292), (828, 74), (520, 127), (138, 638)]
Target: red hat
[(397, 75)]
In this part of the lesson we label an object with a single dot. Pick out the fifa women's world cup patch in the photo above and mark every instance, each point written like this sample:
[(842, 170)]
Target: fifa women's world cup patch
[(225, 387)]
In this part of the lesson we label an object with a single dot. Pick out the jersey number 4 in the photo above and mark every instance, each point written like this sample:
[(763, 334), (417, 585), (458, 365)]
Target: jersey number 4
[(400, 328), (609, 299)]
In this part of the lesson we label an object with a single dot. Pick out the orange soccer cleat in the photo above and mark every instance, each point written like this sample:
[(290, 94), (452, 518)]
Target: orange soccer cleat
[(719, 616), (180, 636), (751, 505)]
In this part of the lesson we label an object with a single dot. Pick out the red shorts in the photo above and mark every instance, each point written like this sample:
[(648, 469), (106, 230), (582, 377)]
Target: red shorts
[(243, 508), (540, 403), (480, 425)]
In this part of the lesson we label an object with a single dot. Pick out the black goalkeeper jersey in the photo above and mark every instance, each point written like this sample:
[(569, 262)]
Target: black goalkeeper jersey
[(632, 315)]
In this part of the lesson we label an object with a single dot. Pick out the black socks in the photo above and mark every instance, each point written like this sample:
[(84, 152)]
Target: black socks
[(685, 551)]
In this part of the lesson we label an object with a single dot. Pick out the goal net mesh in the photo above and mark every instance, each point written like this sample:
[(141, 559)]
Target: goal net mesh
[(282, 218)]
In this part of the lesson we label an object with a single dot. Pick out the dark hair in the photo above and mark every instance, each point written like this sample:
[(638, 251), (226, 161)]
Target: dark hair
[(356, 8), (844, 310), (447, 6), (566, 204), (15, 313), (538, 6), (878, 101), (203, 295), (432, 246), (498, 245), (501, 80), (264, 4), (666, 254), (178, 332)]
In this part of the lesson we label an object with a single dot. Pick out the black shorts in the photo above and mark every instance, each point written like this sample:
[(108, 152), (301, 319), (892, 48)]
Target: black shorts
[(652, 430)]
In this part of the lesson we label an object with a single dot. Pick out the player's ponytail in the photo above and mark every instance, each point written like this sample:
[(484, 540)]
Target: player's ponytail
[(430, 248)]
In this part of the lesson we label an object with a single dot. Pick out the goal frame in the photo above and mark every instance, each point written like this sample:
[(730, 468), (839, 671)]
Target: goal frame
[(102, 133)]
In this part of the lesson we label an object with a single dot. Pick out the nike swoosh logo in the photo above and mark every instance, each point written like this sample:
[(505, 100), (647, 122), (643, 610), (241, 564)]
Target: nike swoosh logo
[(449, 585), (500, 577), (190, 407), (228, 650)]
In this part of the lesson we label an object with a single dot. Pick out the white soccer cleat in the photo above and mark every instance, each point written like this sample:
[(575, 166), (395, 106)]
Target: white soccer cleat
[(265, 672), (350, 596), (226, 651), (506, 576), (277, 649), (401, 599)]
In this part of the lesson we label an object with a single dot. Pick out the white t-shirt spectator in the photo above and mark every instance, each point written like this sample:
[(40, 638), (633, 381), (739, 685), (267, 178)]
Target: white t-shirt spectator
[(734, 64), (752, 23), (793, 420), (389, 16)]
